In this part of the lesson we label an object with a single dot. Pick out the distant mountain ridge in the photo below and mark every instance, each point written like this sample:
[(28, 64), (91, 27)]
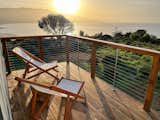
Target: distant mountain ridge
[(21, 15), (30, 15)]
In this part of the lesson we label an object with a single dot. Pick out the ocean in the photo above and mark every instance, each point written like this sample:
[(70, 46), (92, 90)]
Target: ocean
[(22, 29)]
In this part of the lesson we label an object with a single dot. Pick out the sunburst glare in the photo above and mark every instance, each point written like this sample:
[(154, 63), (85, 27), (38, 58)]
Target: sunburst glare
[(66, 6)]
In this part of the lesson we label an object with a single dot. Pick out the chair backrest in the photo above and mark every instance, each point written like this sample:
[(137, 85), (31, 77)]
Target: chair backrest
[(27, 56)]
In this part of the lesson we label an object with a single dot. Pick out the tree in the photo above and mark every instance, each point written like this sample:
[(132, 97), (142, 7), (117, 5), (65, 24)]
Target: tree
[(98, 35), (81, 33), (118, 35), (106, 37), (56, 24), (146, 38), (141, 32)]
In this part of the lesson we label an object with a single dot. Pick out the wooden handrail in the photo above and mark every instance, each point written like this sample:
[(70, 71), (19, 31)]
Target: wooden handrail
[(120, 46)]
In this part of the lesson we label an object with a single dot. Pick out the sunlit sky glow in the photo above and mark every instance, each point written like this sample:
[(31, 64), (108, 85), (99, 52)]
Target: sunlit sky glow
[(101, 10), (66, 6)]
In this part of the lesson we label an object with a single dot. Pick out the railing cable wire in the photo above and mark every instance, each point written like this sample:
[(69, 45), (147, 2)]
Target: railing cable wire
[(115, 69), (78, 62)]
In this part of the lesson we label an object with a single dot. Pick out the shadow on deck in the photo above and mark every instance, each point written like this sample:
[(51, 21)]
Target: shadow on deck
[(102, 102)]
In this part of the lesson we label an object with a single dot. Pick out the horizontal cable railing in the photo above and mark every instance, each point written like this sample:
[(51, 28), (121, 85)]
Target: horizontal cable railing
[(29, 44), (80, 53), (137, 79), (132, 69), (53, 48), (130, 77)]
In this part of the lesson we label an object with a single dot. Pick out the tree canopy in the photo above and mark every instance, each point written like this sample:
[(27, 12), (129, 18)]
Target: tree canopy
[(56, 24)]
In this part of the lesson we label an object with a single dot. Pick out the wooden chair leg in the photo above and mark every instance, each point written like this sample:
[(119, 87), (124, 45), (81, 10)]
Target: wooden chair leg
[(34, 99), (27, 67), (45, 103), (67, 108), (73, 102), (26, 70)]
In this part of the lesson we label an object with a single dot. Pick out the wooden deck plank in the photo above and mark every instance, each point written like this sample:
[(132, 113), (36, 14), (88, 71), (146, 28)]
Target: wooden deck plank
[(102, 103)]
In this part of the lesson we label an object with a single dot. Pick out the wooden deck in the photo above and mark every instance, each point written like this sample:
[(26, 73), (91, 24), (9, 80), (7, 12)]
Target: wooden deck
[(102, 103)]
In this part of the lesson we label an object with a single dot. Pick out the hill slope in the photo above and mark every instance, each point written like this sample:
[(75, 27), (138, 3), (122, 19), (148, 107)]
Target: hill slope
[(21, 15)]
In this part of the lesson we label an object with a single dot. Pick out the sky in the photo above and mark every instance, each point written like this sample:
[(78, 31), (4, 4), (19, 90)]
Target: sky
[(138, 11)]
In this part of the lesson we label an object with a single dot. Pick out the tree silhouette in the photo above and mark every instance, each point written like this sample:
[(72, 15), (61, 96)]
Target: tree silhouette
[(56, 24)]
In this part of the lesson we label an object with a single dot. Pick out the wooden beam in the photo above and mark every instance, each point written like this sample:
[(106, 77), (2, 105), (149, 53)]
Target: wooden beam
[(93, 61), (67, 50), (152, 82)]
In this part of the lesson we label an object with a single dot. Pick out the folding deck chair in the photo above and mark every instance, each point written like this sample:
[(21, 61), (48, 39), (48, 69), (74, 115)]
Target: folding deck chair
[(35, 62), (65, 88)]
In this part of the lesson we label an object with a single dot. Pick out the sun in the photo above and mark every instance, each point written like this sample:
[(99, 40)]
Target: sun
[(66, 6)]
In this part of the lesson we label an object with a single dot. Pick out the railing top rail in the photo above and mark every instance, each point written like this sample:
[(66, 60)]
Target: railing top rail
[(25, 37), (96, 41), (120, 46)]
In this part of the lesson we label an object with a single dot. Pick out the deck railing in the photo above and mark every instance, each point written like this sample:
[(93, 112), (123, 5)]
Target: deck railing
[(95, 56)]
